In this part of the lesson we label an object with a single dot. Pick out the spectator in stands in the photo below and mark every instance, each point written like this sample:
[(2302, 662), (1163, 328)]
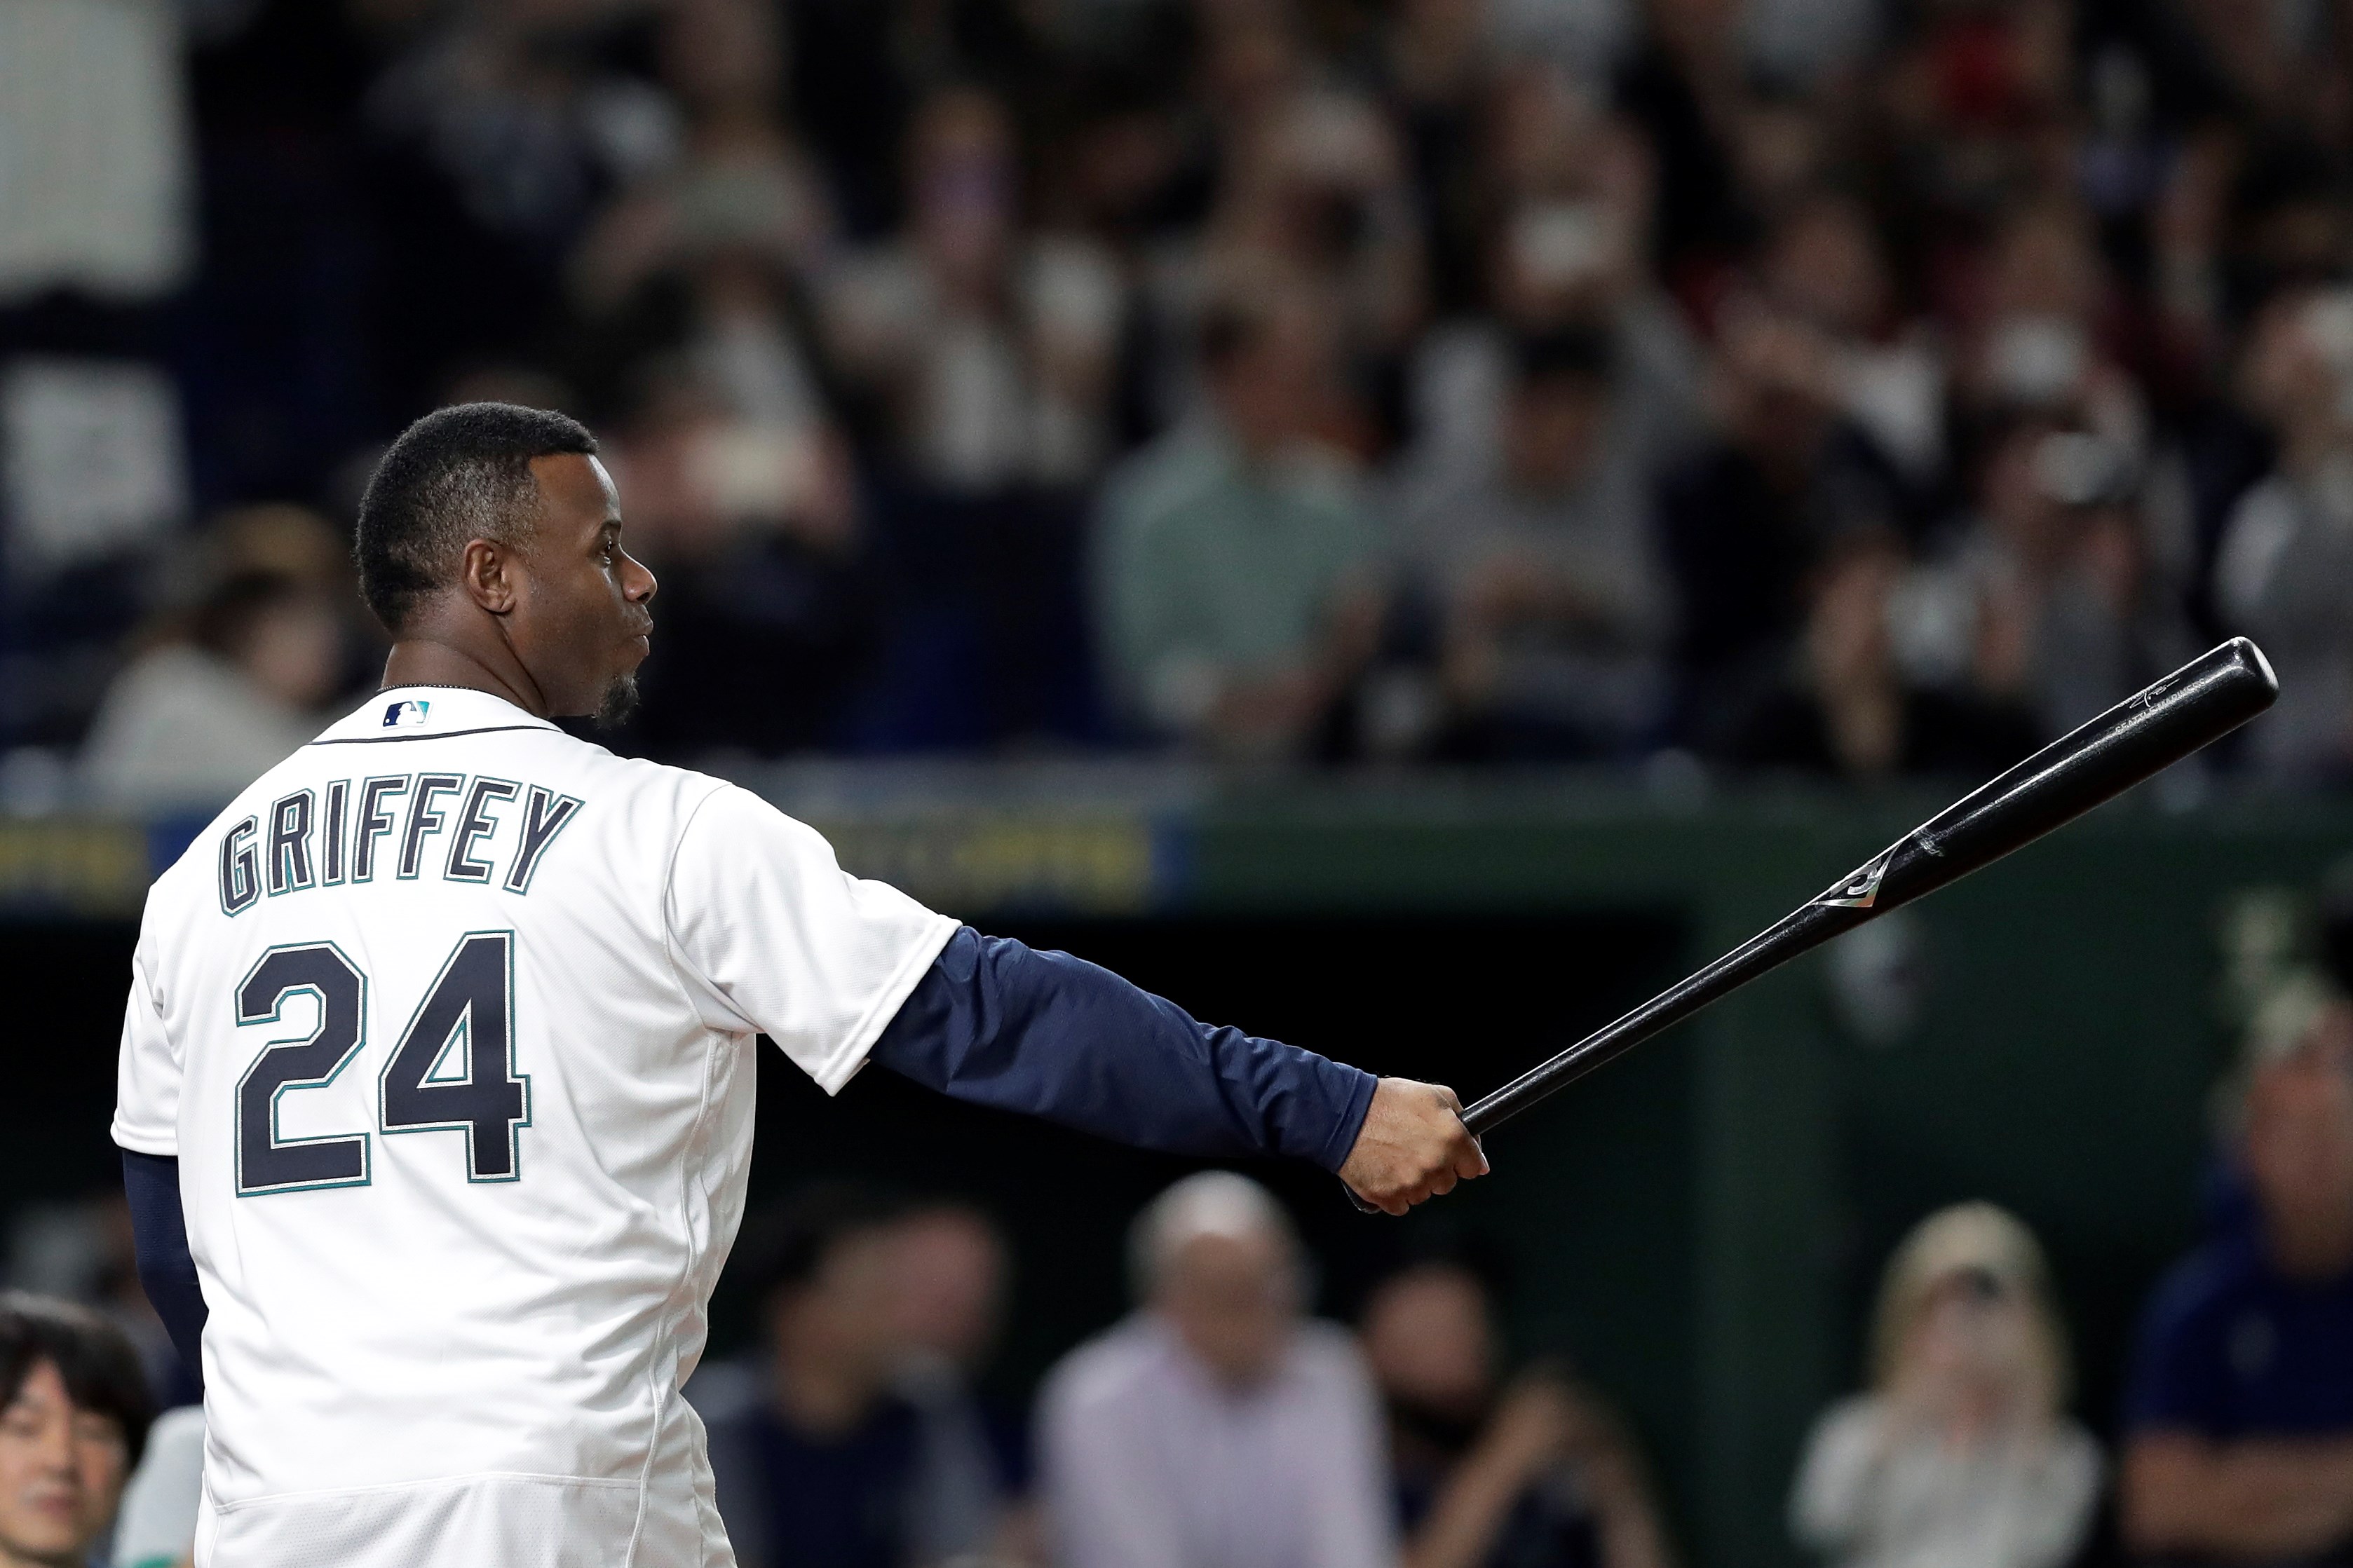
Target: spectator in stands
[(1567, 193), (2056, 603), (1530, 1474), (985, 354), (1962, 1453), (1436, 64), (1963, 113), (1554, 602), (1685, 86), (1214, 1428), (819, 1457), (498, 132), (2045, 335), (1238, 578), (738, 183), (2239, 1407), (1849, 709), (2284, 573), (212, 706), (1745, 521), (1824, 263), (74, 1414), (948, 1296), (1316, 188)]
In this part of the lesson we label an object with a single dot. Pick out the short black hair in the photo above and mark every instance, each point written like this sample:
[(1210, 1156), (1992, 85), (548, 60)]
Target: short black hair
[(787, 1248), (459, 473), (95, 1359)]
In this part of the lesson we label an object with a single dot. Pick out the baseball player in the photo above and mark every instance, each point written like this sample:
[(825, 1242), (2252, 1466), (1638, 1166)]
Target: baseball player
[(436, 1091)]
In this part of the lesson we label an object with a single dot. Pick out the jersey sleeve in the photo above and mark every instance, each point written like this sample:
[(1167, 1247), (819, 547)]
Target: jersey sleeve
[(770, 934), (147, 1073)]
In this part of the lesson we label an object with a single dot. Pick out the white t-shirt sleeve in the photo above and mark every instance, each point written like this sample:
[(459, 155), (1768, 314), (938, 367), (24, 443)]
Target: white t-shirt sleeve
[(770, 934), (147, 1073), (157, 1526)]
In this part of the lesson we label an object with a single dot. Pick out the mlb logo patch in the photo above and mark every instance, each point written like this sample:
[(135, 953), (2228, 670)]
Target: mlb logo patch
[(405, 715)]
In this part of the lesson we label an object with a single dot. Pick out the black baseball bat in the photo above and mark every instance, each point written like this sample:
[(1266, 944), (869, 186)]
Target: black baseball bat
[(2203, 701)]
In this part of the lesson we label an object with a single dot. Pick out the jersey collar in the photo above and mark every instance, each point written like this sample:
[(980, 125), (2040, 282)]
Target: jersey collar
[(421, 712)]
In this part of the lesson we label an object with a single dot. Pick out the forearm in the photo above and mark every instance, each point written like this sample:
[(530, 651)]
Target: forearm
[(159, 1231), (2182, 1493), (1469, 1513), (1631, 1535), (997, 1023)]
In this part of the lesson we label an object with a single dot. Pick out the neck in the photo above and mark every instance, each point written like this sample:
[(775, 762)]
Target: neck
[(425, 658)]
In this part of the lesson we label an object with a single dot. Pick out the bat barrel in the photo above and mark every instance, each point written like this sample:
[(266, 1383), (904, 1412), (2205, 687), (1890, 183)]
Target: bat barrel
[(2139, 737)]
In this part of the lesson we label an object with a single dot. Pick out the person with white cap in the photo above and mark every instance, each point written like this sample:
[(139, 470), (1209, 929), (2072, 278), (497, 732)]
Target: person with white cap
[(1961, 1455)]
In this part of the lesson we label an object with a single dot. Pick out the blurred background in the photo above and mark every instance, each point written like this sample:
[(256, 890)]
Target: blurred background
[(1531, 489)]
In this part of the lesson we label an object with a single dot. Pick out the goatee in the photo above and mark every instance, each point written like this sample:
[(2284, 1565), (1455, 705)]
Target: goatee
[(620, 700)]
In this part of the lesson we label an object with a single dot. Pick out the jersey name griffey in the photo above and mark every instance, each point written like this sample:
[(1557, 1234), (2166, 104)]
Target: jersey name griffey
[(448, 1019)]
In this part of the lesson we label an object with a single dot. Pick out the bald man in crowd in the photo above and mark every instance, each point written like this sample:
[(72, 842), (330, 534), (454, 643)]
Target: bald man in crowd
[(1216, 1428)]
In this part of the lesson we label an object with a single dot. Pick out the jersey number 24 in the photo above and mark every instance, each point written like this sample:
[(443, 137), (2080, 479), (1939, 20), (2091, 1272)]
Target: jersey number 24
[(454, 1069)]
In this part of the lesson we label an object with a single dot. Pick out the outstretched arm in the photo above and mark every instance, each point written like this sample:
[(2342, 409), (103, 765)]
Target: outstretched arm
[(1000, 1024)]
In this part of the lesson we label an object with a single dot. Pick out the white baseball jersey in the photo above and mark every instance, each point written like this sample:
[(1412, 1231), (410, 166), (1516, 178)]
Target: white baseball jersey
[(448, 1020)]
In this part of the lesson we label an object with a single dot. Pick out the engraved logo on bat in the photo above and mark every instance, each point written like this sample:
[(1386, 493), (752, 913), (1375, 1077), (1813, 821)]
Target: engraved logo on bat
[(1861, 891)]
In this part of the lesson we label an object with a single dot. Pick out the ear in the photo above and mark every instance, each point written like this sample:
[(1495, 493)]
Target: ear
[(487, 574)]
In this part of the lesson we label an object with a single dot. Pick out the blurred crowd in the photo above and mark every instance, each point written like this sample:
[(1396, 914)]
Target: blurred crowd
[(1220, 1425), (1857, 387)]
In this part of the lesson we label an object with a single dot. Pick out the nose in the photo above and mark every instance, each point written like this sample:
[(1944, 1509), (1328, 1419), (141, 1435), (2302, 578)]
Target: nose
[(54, 1448), (638, 584)]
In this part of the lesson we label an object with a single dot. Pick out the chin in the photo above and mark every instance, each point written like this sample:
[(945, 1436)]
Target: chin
[(618, 703)]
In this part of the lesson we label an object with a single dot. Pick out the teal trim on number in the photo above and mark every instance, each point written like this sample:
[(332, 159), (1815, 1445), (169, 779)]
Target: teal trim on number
[(464, 1026), (276, 1014)]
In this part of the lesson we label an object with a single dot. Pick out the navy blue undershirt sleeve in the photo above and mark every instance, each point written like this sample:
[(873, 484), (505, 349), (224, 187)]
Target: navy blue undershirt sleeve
[(1054, 1036), (159, 1231)]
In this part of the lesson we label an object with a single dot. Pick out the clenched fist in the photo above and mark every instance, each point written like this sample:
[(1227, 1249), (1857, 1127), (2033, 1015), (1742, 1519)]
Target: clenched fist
[(1413, 1146)]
